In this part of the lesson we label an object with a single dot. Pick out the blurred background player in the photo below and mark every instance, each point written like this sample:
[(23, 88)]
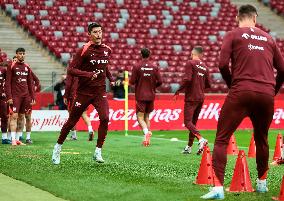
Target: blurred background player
[(60, 91), (3, 104), (90, 65), (19, 92), (118, 88), (146, 78), (196, 79), (254, 55), (69, 97)]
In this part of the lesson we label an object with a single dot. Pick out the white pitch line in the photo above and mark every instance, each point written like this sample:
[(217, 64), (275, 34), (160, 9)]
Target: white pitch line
[(183, 141)]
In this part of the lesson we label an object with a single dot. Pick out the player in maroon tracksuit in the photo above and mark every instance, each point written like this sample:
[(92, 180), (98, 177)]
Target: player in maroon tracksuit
[(146, 78), (69, 97), (28, 115), (196, 79), (254, 56), (90, 65), (19, 92), (3, 105)]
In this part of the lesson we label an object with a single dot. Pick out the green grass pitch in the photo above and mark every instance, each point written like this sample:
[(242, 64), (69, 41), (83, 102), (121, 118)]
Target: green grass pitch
[(131, 172)]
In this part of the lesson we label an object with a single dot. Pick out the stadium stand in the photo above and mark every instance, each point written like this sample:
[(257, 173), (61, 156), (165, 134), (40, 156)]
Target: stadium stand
[(169, 28), (276, 5)]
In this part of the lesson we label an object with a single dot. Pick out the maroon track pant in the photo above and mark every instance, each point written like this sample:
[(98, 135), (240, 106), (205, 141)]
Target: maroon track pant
[(3, 116), (191, 113), (99, 101), (259, 108)]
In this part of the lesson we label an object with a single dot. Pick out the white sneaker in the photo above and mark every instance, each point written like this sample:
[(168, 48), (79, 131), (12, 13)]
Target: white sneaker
[(56, 154), (186, 150), (201, 144), (98, 156), (216, 193), (261, 186)]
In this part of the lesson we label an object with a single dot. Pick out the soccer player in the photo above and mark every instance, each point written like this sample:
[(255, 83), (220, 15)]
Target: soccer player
[(146, 78), (3, 104), (69, 97), (20, 92), (196, 79), (254, 55), (28, 116), (90, 65)]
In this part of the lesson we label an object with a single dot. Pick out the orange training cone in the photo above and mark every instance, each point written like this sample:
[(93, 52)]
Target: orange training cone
[(241, 178), (281, 194), (232, 148), (205, 173), (277, 152), (251, 151)]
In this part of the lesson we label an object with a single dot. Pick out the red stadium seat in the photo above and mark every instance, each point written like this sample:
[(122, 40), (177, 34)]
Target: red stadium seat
[(138, 26)]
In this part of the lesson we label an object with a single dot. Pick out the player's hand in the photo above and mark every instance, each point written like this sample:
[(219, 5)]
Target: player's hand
[(65, 101), (112, 84), (10, 102), (175, 97), (94, 76), (33, 102)]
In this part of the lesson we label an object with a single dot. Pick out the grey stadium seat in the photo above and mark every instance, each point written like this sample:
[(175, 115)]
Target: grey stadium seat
[(163, 64), (45, 23), (65, 57), (153, 32), (63, 9), (174, 87)]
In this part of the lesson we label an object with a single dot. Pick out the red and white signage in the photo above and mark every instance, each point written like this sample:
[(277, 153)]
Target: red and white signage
[(168, 115)]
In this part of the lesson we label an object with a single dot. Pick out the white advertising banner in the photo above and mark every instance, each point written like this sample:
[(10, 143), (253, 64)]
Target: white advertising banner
[(48, 120)]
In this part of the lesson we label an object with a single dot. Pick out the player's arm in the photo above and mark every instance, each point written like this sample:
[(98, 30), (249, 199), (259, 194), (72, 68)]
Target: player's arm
[(225, 56), (278, 63), (109, 76), (134, 77), (158, 77), (75, 66), (30, 86), (207, 80), (186, 79), (3, 95), (68, 86), (8, 83), (36, 81)]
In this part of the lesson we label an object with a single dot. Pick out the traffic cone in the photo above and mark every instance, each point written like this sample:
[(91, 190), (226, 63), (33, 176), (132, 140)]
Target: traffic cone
[(241, 178), (251, 151), (277, 152), (205, 173), (281, 194), (232, 148)]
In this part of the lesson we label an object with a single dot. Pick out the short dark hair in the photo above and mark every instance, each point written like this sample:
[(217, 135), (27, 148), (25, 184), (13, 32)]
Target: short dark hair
[(14, 57), (198, 49), (247, 11), (145, 52), (20, 49), (93, 25)]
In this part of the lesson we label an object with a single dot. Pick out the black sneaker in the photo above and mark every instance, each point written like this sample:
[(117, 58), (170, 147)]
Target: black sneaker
[(21, 138), (6, 141), (29, 141), (91, 136)]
